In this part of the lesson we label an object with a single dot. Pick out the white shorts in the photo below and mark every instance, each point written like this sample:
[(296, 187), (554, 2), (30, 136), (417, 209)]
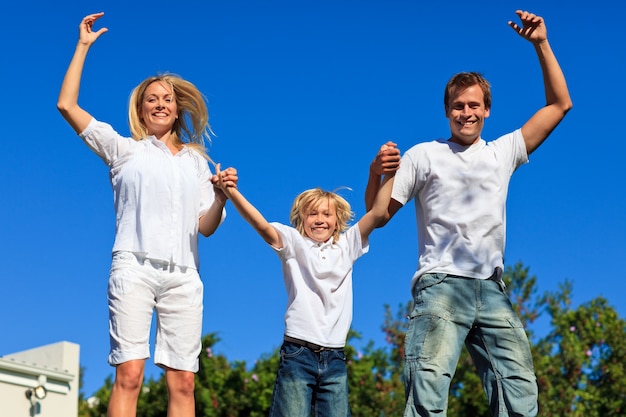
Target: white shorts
[(139, 286)]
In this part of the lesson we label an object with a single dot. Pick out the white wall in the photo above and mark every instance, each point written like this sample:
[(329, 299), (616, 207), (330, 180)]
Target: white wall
[(54, 366)]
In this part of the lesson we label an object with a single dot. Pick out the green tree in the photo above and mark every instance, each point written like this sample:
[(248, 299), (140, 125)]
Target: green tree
[(226, 389), (375, 387), (581, 368), (97, 405)]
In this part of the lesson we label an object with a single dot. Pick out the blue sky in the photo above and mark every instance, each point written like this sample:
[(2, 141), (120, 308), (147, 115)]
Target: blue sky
[(301, 94)]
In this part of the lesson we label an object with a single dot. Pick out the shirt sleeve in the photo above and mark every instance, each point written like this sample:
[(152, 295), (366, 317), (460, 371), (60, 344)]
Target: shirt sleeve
[(512, 147), (357, 246), (405, 181), (287, 235), (101, 138)]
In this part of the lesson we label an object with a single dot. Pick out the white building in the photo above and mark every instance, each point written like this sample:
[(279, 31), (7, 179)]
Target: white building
[(40, 382)]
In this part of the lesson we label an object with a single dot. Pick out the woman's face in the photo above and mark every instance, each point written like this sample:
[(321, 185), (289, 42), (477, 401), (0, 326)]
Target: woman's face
[(158, 109)]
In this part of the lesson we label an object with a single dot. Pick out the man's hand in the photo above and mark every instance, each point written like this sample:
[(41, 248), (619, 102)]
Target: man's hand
[(387, 160), (533, 27)]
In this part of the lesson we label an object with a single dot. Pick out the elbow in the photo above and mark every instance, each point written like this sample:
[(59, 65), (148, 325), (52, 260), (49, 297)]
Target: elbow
[(208, 224), (568, 106), (206, 233), (382, 220), (64, 107), (61, 107)]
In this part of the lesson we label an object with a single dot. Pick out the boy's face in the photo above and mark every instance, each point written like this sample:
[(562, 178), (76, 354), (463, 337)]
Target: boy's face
[(466, 113), (321, 222)]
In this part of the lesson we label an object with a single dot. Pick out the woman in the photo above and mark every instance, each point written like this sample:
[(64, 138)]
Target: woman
[(163, 198)]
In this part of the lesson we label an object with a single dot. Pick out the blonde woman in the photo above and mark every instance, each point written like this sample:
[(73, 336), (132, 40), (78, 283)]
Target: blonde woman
[(163, 198), (317, 253)]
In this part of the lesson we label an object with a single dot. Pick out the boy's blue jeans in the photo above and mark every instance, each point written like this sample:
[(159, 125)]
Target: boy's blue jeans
[(310, 383), (450, 311)]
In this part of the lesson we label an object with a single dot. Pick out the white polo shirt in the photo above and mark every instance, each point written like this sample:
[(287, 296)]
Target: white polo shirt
[(158, 197), (318, 280)]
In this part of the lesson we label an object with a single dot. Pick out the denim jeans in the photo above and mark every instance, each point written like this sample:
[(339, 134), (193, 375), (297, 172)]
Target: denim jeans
[(310, 383), (450, 311)]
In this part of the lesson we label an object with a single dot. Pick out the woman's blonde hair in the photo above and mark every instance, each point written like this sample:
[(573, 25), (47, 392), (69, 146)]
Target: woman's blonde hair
[(192, 125), (310, 200)]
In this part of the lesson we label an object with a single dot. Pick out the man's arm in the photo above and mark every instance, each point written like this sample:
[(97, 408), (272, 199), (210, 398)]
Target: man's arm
[(558, 101)]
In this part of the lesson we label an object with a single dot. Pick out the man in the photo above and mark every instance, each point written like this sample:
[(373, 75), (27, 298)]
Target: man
[(459, 187)]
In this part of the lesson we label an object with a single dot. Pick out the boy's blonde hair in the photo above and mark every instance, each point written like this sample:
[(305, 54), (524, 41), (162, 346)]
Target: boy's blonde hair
[(310, 200), (192, 125)]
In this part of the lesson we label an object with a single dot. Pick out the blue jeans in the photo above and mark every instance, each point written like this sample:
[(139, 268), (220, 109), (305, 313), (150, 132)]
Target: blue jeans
[(451, 311), (310, 383)]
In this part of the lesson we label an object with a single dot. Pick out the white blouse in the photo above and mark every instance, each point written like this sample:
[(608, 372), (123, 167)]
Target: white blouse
[(158, 197)]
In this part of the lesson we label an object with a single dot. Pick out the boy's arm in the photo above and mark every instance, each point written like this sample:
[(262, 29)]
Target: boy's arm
[(248, 211), (379, 213), (210, 221), (558, 101), (387, 161)]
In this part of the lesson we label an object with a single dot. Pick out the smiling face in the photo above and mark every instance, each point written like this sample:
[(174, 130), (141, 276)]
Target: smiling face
[(466, 113), (320, 222), (158, 108)]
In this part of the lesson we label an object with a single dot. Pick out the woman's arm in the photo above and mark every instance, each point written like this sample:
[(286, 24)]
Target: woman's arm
[(68, 96)]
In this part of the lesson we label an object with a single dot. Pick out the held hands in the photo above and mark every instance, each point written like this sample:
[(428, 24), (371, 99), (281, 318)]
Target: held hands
[(223, 180), (533, 27), (86, 34), (387, 160)]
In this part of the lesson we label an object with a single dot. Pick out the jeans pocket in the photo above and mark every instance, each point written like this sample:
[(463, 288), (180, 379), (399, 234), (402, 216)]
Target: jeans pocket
[(428, 280), (340, 354), (291, 350)]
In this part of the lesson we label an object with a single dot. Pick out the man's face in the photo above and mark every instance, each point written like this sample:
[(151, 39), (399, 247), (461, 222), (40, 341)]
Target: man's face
[(466, 113)]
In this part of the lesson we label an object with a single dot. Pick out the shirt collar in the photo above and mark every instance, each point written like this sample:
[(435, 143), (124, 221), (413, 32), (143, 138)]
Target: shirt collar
[(163, 146), (318, 245)]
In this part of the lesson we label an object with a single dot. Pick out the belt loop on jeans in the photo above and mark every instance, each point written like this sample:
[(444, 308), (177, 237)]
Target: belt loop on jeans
[(312, 346)]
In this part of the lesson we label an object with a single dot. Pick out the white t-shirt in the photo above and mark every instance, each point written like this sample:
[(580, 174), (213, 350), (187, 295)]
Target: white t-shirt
[(158, 197), (460, 202), (318, 280)]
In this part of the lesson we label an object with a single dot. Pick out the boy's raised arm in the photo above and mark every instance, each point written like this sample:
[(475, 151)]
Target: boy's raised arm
[(250, 213)]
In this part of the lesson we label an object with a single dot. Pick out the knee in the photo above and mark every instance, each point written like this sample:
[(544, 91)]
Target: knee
[(180, 383), (129, 376)]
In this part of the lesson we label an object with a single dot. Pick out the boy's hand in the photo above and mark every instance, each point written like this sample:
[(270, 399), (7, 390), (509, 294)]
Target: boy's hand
[(225, 179)]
